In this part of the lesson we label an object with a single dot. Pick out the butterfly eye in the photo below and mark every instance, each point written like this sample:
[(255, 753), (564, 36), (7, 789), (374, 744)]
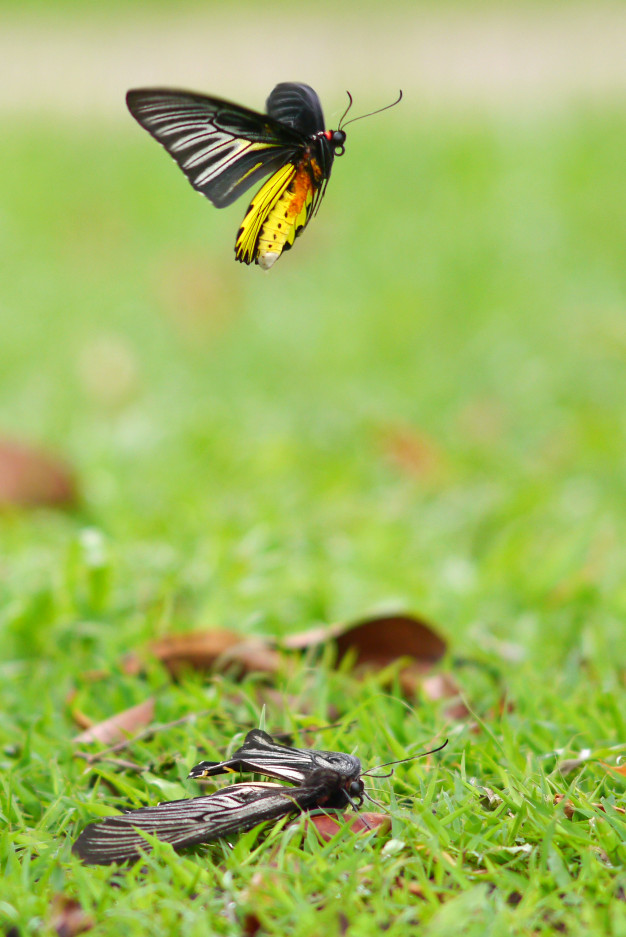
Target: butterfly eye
[(338, 140)]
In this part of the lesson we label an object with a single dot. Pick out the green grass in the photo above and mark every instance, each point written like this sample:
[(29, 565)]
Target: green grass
[(464, 282)]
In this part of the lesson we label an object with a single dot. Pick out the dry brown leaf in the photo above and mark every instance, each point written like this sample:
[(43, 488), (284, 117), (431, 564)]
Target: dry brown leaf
[(568, 806), (119, 726), (210, 650), (378, 641), (193, 650), (80, 718), (312, 637), (434, 687), (616, 769), (439, 686), (30, 477), (602, 807), (253, 656), (68, 918), (251, 925), (381, 640), (327, 826)]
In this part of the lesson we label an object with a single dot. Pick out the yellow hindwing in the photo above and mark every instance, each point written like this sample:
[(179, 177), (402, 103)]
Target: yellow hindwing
[(277, 214)]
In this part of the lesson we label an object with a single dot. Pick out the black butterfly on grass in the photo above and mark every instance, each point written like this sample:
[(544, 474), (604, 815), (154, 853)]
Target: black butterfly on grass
[(224, 149), (326, 780)]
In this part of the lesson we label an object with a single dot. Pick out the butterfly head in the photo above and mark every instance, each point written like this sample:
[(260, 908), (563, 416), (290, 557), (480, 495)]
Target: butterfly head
[(356, 788), (337, 139)]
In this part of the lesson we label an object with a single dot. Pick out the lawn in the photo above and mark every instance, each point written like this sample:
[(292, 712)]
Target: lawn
[(419, 408)]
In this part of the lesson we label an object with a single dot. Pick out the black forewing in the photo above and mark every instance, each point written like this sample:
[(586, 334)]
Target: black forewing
[(296, 106), (262, 755), (222, 148), (185, 823)]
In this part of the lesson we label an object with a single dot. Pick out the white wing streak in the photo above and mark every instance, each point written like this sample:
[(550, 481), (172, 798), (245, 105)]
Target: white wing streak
[(213, 142), (187, 822)]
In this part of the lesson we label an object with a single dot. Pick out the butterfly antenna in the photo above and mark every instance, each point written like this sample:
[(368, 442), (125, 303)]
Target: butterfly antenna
[(343, 116), (386, 774), (403, 760), (371, 113)]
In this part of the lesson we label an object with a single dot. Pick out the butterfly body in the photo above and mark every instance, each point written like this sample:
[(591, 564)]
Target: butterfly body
[(260, 754), (224, 149)]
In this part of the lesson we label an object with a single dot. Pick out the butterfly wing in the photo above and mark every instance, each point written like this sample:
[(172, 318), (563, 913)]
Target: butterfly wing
[(297, 106), (222, 148), (280, 211), (184, 822), (262, 755)]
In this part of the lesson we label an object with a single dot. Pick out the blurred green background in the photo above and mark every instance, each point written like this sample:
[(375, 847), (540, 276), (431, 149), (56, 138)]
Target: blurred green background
[(421, 406)]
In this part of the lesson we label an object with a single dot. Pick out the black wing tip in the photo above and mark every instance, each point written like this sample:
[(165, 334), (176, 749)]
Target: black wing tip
[(203, 769), (134, 96), (85, 850), (259, 733), (137, 96)]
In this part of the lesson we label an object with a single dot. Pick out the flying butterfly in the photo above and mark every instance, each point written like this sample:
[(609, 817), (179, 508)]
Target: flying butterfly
[(224, 149)]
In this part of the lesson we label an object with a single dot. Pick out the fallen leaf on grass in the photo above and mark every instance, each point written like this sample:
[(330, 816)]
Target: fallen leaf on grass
[(379, 640), (252, 656), (30, 477), (616, 769), (251, 925), (434, 687), (569, 809), (614, 807), (568, 806), (216, 649), (119, 726), (81, 719), (327, 826), (68, 917)]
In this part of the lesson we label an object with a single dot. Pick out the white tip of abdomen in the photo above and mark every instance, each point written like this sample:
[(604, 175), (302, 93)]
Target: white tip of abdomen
[(268, 259)]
